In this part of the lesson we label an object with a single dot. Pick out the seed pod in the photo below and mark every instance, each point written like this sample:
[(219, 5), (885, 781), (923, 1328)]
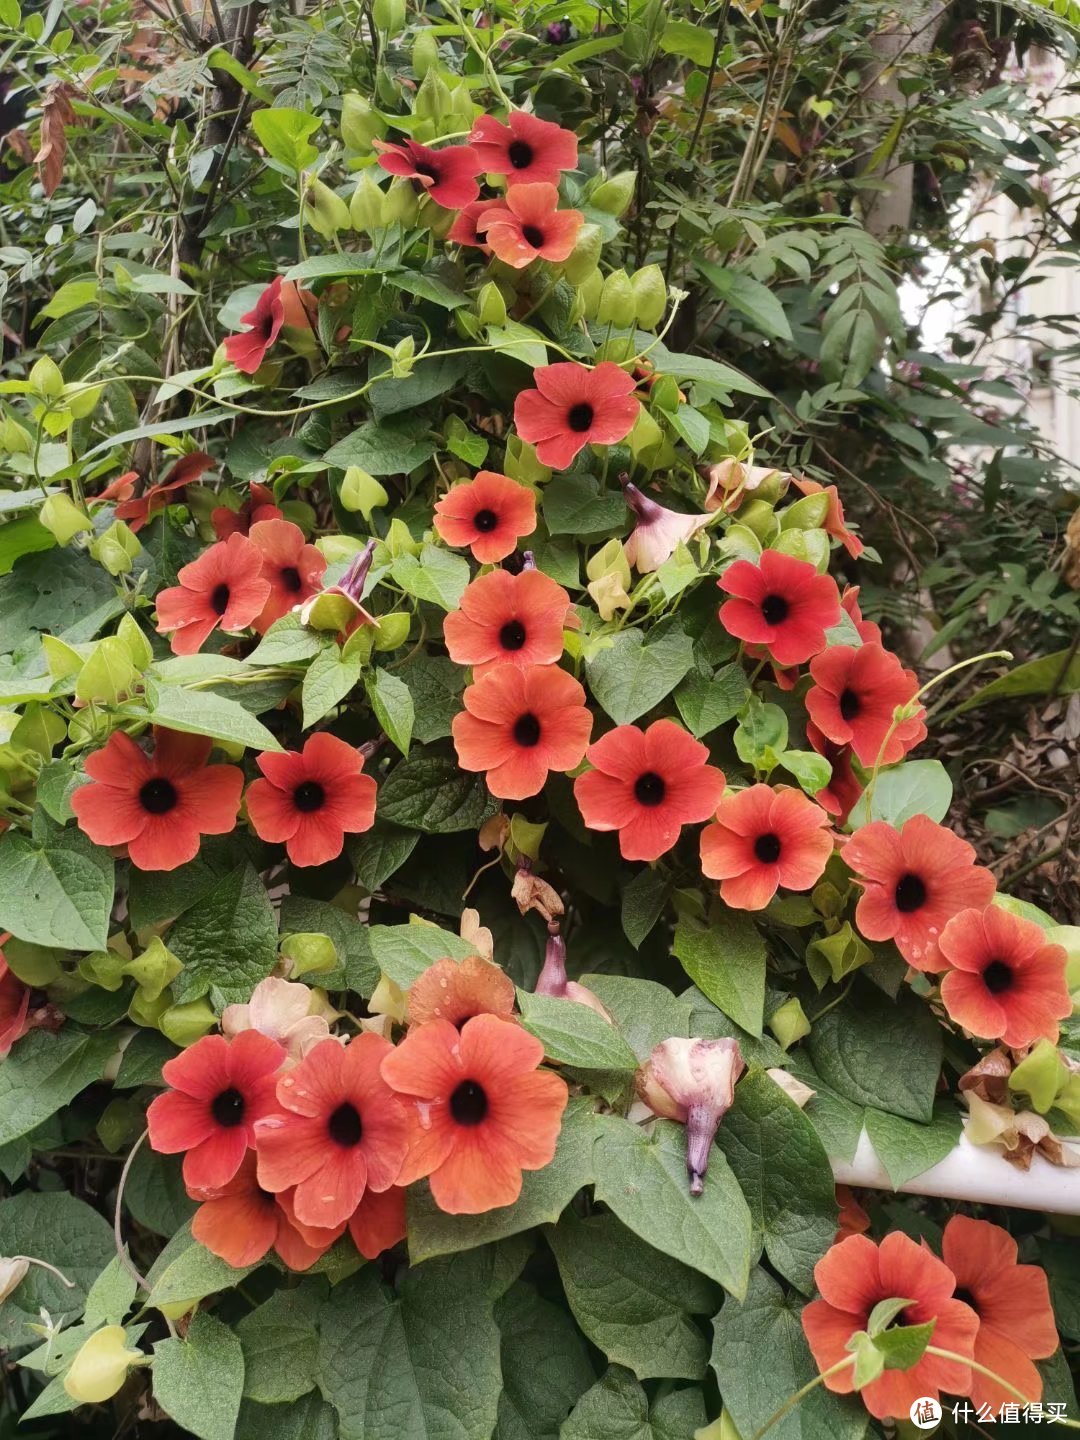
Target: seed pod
[(650, 295), (325, 211), (425, 53), (585, 254), (614, 194), (617, 301), (360, 123)]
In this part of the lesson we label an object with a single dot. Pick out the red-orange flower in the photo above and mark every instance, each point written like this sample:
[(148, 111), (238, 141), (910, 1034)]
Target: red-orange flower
[(241, 1222), (466, 229), (220, 1089), (137, 510), (158, 805), (519, 724), (647, 784), (764, 838), (377, 1222), (529, 225), (869, 633), (573, 406), (312, 798), (914, 881), (844, 789), (448, 175), (293, 568), (1005, 981), (1016, 1319), (508, 619), (259, 505), (480, 1110), (524, 148), (489, 514), (338, 1131), (834, 524), (247, 351), (853, 1219), (855, 693), (225, 586), (854, 1276), (449, 990), (780, 602), (14, 1006)]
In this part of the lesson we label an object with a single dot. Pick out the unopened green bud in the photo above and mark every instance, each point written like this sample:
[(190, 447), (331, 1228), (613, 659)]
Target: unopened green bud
[(62, 660), (154, 969), (758, 517), (400, 205), (45, 380), (463, 109), (184, 1024), (789, 1023), (433, 98), (361, 492), (309, 952), (619, 348), (366, 205), (116, 548), (617, 301), (389, 16), (393, 630), (399, 540), (585, 254), (324, 209), (520, 462), (425, 53), (645, 434), (613, 195), (490, 305), (360, 123), (401, 360), (664, 394), (650, 295), (809, 545), (109, 674), (1040, 1076), (806, 514), (590, 290), (63, 518), (15, 439)]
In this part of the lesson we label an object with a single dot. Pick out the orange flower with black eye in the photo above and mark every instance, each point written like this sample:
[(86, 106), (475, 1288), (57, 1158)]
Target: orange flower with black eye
[(1006, 981), (855, 694), (480, 1110), (293, 568), (914, 881), (764, 838), (448, 175), (158, 805), (456, 992), (312, 798), (779, 602), (1016, 1319), (377, 1223), (489, 513), (225, 586), (508, 619), (523, 148), (518, 725), (241, 1222), (529, 226), (573, 406)]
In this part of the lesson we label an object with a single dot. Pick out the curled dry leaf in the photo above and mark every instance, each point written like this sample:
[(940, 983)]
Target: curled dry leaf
[(56, 116)]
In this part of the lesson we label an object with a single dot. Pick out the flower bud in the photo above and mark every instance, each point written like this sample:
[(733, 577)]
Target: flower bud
[(108, 675), (806, 514), (400, 205), (809, 545), (393, 630), (692, 1081), (12, 1273), (184, 1024), (613, 195), (45, 380), (490, 305), (552, 978), (389, 16), (101, 1365), (585, 255), (308, 953), (154, 969), (325, 211), (366, 205), (789, 1023), (361, 492), (425, 53), (116, 548), (589, 291), (759, 517), (617, 305), (433, 100), (650, 295), (63, 518), (388, 999), (360, 123), (15, 439)]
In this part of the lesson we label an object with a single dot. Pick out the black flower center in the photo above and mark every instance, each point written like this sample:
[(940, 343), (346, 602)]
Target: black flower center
[(850, 704), (309, 795), (775, 609), (485, 520), (520, 154), (290, 578), (527, 730), (910, 893), (469, 1103), (580, 417), (650, 788), (427, 170), (767, 848), (534, 235), (158, 796), (998, 977), (964, 1295), (345, 1126), (227, 1108), (219, 599), (513, 635)]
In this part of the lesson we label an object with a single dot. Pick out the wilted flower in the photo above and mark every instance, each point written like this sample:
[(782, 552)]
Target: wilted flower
[(794, 1089), (729, 481), (281, 1010), (552, 978), (338, 607), (692, 1081), (658, 531), (13, 1270)]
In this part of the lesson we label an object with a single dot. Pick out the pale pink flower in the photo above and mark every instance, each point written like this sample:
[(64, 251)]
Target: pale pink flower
[(692, 1081), (658, 531), (281, 1010)]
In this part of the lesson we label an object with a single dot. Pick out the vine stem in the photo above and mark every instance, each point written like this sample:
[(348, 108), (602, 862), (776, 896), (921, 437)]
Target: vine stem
[(800, 1395), (44, 1264), (121, 1247)]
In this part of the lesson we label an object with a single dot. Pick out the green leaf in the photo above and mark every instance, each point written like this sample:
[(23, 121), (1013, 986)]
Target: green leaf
[(198, 1380), (201, 712), (544, 1196), (427, 287), (187, 1271), (617, 1408), (1061, 1260), (382, 448), (309, 1418), (905, 1345), (56, 780), (429, 380), (776, 1156), (61, 1229), (915, 787), (111, 1294), (643, 901), (56, 887), (644, 1011), (379, 852), (155, 1194), (574, 1034), (436, 575), (811, 770), (431, 793), (281, 1344), (700, 370), (875, 1052), (287, 642), (1059, 673), (285, 135), (706, 702), (44, 1072), (575, 505), (643, 1179), (422, 1364), (227, 940), (520, 342), (545, 1365), (637, 671), (328, 680), (631, 1301), (752, 299), (725, 959), (436, 684), (692, 42), (301, 915), (761, 1358), (404, 952), (905, 1148)]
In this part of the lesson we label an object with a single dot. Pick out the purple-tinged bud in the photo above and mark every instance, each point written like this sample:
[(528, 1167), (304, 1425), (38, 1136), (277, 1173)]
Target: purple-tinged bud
[(552, 978), (692, 1081), (658, 531)]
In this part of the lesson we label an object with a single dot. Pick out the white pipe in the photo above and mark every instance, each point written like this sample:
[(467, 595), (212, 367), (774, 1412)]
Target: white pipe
[(974, 1173)]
